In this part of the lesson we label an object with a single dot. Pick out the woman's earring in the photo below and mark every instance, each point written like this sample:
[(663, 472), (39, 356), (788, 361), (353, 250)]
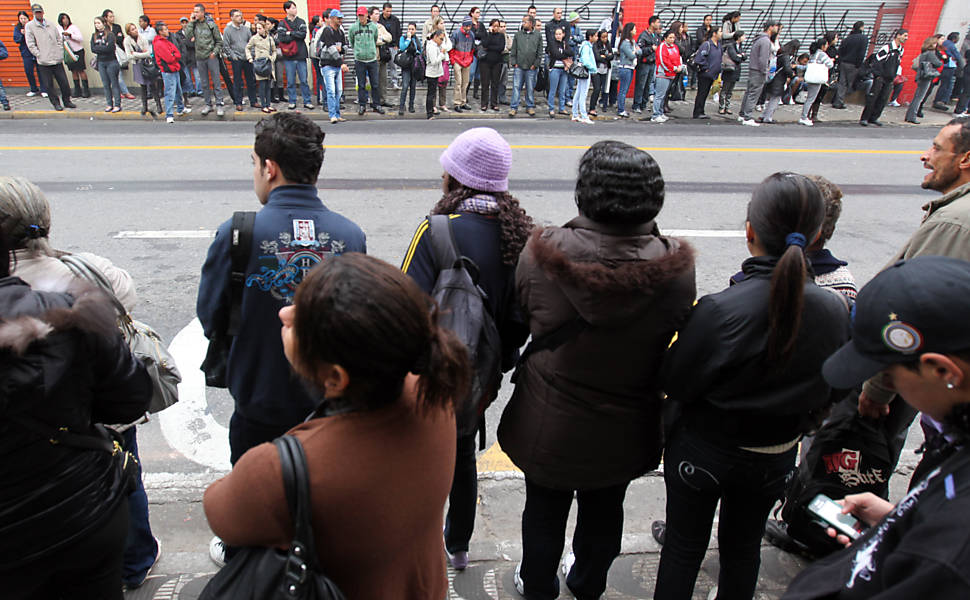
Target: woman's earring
[(950, 386)]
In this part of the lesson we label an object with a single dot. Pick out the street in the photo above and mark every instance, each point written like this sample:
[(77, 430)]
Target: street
[(147, 196)]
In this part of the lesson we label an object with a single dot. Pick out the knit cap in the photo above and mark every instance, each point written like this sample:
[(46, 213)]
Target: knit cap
[(480, 159), (573, 16), (467, 22)]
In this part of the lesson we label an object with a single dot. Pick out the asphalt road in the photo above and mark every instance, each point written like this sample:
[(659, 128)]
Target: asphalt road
[(105, 178)]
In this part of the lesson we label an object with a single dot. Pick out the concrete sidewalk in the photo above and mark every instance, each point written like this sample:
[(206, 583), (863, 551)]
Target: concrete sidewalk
[(92, 108)]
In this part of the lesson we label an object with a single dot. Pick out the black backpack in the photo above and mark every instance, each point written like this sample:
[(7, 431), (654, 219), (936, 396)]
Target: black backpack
[(850, 454), (463, 309)]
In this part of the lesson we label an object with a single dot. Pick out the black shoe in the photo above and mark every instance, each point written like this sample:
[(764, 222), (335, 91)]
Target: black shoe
[(863, 123), (701, 117), (920, 114), (913, 121), (410, 109), (776, 534), (6, 107), (69, 104), (876, 123), (839, 106), (456, 108), (400, 112), (360, 110), (58, 107), (387, 104), (659, 531), (941, 107), (378, 110)]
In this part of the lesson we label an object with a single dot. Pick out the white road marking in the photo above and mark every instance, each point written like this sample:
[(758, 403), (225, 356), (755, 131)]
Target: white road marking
[(188, 425), (203, 233)]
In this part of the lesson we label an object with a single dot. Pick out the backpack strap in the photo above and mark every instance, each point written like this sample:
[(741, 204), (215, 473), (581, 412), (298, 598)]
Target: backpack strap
[(240, 244), (444, 247)]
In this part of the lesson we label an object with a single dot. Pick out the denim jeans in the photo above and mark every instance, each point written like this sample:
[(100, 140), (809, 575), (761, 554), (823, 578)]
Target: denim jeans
[(121, 82), (662, 87), (596, 540), (626, 76), (173, 93), (333, 81), (294, 69), (644, 86), (946, 86), (194, 69), (3, 96), (522, 77), (697, 474), (368, 71), (30, 67), (242, 70), (408, 88), (265, 92), (109, 81), (579, 98), (140, 546), (463, 498), (557, 89)]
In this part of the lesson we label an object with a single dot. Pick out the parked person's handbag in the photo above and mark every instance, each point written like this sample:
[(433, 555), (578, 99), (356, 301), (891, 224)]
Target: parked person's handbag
[(270, 573), (816, 73), (121, 56), (145, 343), (263, 66), (578, 70), (149, 69)]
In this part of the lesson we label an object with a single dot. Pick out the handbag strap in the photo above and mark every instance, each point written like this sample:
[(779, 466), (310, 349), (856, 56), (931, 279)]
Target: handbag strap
[(297, 486), (88, 272)]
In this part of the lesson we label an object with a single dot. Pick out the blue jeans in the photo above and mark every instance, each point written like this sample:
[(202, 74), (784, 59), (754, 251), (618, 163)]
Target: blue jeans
[(579, 98), (333, 82), (462, 500), (368, 71), (644, 87), (30, 67), (557, 89), (173, 93), (3, 96), (520, 77), (946, 86), (109, 80), (296, 68), (626, 76), (570, 86), (140, 547), (408, 88), (660, 96), (194, 69)]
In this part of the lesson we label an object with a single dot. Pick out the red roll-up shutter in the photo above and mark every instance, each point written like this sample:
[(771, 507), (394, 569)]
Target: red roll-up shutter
[(12, 69)]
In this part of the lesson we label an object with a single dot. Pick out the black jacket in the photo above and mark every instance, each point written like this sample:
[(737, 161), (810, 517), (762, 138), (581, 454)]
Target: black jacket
[(297, 32), (853, 48), (784, 72), (603, 53), (393, 27), (103, 46), (558, 51), (647, 40), (68, 368), (716, 370), (732, 55), (494, 43)]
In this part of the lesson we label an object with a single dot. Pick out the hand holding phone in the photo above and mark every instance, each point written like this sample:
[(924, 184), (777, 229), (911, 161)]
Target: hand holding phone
[(829, 512)]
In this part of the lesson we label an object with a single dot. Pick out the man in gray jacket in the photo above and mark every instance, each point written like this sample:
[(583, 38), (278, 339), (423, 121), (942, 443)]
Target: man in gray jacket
[(46, 43), (525, 58), (234, 38), (202, 30), (759, 64)]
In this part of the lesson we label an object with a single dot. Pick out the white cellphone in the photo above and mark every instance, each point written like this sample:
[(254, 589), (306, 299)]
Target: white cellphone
[(830, 513)]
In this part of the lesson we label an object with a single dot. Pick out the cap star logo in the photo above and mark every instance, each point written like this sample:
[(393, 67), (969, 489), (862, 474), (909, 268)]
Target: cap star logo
[(902, 337)]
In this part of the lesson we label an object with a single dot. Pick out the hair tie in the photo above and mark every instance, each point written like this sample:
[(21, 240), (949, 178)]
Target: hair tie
[(422, 362), (34, 232), (795, 239)]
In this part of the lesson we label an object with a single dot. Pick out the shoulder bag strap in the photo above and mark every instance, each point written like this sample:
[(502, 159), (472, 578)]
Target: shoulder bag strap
[(296, 483), (240, 244), (90, 273), (551, 340), (61, 436), (443, 244)]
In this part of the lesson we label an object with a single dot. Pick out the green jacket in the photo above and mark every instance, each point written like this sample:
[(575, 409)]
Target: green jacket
[(208, 40), (526, 50), (363, 39)]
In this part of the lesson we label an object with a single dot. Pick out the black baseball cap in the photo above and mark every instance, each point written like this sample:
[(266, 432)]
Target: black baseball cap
[(915, 306)]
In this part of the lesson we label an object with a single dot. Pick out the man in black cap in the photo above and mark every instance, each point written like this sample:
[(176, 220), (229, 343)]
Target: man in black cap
[(910, 325), (45, 42)]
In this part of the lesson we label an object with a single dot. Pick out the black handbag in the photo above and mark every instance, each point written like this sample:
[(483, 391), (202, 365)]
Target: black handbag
[(384, 52), (263, 66), (578, 70), (149, 69), (270, 573)]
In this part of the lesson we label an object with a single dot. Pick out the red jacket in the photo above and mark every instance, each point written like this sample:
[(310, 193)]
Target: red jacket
[(668, 59), (167, 55)]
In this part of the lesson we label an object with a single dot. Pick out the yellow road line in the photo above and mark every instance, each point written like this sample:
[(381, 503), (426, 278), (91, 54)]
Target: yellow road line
[(443, 146)]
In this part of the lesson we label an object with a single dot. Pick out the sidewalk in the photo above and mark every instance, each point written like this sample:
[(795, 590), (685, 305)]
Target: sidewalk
[(92, 108)]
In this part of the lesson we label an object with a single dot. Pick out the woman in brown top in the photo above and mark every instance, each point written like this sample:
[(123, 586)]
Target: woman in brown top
[(381, 445)]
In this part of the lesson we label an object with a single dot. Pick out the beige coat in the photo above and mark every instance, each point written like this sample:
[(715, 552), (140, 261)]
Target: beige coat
[(261, 47), (45, 42)]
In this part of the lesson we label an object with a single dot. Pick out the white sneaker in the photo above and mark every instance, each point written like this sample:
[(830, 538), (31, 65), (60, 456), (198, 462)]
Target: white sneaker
[(894, 103), (660, 119), (31, 94), (43, 94), (567, 563), (169, 120), (217, 551), (576, 119), (586, 121), (184, 111), (220, 112), (517, 580), (963, 114), (806, 122), (750, 123), (760, 108)]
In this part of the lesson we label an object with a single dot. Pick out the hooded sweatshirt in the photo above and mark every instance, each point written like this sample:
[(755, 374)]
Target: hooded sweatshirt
[(760, 57)]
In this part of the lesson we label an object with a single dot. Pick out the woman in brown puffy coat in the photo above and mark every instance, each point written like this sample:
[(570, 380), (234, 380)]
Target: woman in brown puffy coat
[(604, 295)]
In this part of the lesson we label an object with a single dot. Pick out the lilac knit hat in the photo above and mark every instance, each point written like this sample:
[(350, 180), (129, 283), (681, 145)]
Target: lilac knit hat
[(480, 159)]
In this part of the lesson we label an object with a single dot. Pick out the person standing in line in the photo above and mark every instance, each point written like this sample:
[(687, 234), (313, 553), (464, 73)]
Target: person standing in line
[(389, 21), (410, 44), (709, 61), (480, 31), (587, 59), (729, 25), (964, 103), (3, 92), (168, 56), (525, 57), (759, 64), (852, 51), (208, 50), (628, 54), (731, 60), (190, 67), (138, 48), (885, 66), (460, 57), (927, 66), (362, 37), (669, 68), (30, 63), (819, 57), (784, 73), (560, 57), (743, 384), (490, 228), (262, 46), (108, 16), (75, 42), (145, 28), (46, 43), (603, 52), (383, 53), (678, 89), (503, 88), (291, 34), (490, 67), (648, 42), (235, 37), (701, 35), (954, 64), (103, 47), (434, 69), (603, 295), (333, 44), (429, 24)]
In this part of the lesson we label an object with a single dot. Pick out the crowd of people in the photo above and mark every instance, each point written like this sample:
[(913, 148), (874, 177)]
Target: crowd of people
[(388, 401), (585, 70)]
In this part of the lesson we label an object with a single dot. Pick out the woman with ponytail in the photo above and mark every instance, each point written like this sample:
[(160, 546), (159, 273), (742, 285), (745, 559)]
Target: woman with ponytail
[(490, 228), (380, 445), (922, 349), (743, 384)]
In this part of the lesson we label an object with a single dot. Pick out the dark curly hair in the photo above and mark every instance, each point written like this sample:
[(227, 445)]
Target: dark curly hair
[(832, 196), (516, 224), (618, 184), (294, 142)]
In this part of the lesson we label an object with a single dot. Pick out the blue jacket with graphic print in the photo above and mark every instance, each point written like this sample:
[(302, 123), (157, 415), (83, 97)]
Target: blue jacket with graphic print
[(292, 234)]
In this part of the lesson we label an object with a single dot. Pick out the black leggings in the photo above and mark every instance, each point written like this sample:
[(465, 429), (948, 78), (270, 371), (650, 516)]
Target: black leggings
[(490, 82), (432, 95), (89, 569), (599, 82)]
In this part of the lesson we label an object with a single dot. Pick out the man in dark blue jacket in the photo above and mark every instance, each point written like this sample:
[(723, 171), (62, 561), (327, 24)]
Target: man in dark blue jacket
[(293, 232), (954, 63)]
